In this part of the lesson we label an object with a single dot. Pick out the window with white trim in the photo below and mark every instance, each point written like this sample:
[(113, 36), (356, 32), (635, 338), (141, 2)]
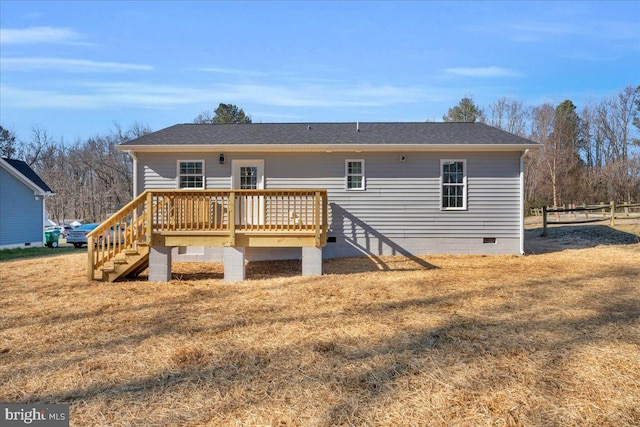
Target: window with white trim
[(453, 184), (190, 173), (354, 172), (248, 177)]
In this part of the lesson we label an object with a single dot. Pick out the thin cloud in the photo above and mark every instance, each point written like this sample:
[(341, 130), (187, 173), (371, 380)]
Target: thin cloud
[(39, 35), (545, 28), (157, 96), (327, 96), (27, 98), (95, 97), (320, 96), (482, 72), (230, 71), (69, 65), (542, 31), (586, 56), (606, 30)]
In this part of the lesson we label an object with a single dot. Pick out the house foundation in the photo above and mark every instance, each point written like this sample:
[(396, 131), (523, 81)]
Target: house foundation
[(234, 264), (160, 263), (234, 259), (311, 261)]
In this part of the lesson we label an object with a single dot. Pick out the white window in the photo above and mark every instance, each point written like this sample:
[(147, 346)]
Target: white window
[(453, 184), (354, 171), (190, 173)]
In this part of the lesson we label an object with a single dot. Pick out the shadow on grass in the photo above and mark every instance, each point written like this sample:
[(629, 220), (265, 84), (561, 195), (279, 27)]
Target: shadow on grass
[(363, 373), (263, 270), (575, 237)]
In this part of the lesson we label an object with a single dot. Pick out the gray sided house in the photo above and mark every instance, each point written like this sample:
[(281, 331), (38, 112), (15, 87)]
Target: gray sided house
[(393, 188), (22, 208)]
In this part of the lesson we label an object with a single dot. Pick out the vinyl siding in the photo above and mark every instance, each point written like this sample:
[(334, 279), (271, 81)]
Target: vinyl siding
[(401, 200), (159, 171), (20, 213)]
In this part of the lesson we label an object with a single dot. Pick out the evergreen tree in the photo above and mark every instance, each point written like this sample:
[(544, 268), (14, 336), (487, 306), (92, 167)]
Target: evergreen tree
[(465, 111), (8, 143), (225, 113)]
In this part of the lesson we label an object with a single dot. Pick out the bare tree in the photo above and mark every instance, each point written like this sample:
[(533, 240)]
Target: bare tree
[(36, 150), (546, 158), (509, 115), (614, 153), (91, 178)]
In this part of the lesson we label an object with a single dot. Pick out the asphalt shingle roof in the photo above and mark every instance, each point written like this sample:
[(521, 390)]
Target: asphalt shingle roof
[(423, 133), (28, 173)]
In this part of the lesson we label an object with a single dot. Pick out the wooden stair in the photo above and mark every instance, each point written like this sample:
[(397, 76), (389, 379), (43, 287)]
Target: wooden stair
[(129, 263), (119, 247)]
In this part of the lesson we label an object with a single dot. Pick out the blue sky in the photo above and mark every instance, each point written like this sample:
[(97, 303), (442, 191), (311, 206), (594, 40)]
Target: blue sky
[(75, 68)]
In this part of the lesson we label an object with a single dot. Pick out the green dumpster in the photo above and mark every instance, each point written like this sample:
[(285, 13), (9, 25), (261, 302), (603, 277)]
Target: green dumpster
[(51, 238)]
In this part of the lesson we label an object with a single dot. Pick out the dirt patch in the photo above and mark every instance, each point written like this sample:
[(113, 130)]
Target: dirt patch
[(562, 237)]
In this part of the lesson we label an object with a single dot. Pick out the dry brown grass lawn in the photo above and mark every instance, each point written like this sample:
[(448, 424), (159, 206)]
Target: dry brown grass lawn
[(542, 340)]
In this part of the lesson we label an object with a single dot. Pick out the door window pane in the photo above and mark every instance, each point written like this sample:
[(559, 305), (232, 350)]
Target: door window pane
[(248, 178)]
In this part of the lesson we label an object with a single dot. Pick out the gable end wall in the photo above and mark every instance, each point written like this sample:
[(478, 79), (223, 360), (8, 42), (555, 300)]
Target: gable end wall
[(20, 213)]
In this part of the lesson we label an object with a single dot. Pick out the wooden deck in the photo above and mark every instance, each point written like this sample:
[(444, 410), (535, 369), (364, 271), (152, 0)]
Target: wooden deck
[(240, 218)]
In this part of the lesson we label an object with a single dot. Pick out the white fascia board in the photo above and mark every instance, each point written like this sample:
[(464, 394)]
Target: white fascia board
[(328, 148), (26, 181)]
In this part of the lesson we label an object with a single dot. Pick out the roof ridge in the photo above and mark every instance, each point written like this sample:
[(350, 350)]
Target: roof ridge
[(332, 133), (327, 123)]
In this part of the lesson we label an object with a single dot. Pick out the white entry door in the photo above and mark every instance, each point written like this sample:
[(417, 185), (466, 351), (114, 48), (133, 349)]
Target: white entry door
[(248, 175)]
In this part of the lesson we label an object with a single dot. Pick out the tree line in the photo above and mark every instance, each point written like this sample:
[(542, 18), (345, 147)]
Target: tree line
[(91, 179), (586, 156)]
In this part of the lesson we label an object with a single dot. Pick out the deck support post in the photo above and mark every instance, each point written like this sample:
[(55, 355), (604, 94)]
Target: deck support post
[(233, 258), (160, 263), (311, 261)]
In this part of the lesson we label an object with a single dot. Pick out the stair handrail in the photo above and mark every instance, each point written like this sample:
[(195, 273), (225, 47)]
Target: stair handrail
[(104, 250)]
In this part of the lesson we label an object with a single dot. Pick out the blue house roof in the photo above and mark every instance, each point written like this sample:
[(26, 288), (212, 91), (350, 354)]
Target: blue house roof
[(28, 173)]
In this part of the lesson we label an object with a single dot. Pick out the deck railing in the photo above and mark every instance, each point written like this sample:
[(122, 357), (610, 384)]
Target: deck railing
[(193, 212), (241, 210)]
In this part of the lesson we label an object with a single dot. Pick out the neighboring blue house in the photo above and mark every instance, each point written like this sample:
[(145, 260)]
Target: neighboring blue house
[(22, 210)]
